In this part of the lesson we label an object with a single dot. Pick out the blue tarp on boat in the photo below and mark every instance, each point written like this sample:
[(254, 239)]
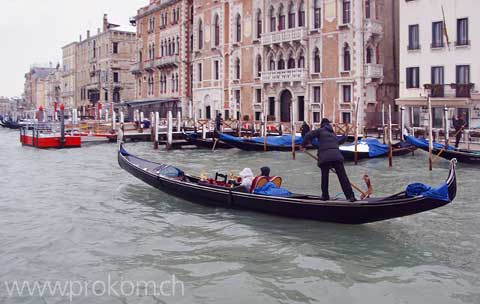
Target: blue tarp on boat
[(375, 148), (423, 143), (283, 140), (271, 189), (418, 189)]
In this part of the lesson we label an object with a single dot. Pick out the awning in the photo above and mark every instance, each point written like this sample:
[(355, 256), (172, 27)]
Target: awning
[(146, 102), (436, 102)]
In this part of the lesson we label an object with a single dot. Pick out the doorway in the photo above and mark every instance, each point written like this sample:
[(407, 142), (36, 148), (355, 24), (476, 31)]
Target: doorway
[(285, 106)]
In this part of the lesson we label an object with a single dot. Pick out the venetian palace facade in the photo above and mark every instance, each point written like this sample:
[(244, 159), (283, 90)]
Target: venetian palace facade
[(317, 58)]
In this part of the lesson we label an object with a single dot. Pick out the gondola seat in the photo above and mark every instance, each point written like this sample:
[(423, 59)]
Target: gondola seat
[(276, 180), (258, 181)]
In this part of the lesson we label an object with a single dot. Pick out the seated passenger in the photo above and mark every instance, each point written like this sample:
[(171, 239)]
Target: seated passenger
[(277, 180), (247, 178)]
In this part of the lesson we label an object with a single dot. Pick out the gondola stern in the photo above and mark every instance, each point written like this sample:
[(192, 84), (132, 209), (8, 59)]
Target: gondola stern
[(452, 180)]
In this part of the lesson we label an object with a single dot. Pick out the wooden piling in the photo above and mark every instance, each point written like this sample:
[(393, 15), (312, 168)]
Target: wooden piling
[(390, 135), (156, 122), (430, 134), (446, 127)]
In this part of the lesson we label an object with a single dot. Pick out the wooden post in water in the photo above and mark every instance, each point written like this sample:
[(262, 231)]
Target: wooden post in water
[(122, 117), (430, 134), (179, 121), (114, 120), (446, 127), (293, 129), (142, 117), (383, 122), (156, 121), (402, 126), (169, 130), (355, 155), (152, 131), (204, 132), (390, 147), (62, 126)]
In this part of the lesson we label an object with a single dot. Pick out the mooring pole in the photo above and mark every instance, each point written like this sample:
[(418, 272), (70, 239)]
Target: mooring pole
[(155, 126), (446, 127), (169, 130), (62, 126), (430, 134), (390, 135)]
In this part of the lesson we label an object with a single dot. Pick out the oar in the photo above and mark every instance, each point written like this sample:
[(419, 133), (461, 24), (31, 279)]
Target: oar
[(214, 144), (364, 194)]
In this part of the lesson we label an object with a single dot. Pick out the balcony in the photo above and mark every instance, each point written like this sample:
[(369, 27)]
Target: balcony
[(290, 75), (136, 68), (373, 71), (166, 62), (452, 90), (284, 36), (149, 65), (374, 27)]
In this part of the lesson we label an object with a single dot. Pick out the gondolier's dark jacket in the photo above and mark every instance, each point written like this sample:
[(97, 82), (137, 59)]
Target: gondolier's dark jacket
[(328, 148)]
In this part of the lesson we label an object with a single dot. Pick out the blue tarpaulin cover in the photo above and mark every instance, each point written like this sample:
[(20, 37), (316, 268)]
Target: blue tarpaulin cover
[(375, 148), (271, 189), (423, 143), (418, 189)]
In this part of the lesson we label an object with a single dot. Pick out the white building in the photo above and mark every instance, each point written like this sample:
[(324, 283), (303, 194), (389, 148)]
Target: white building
[(439, 60)]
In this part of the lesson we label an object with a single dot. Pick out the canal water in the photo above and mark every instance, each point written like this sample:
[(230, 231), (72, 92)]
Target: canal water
[(75, 216)]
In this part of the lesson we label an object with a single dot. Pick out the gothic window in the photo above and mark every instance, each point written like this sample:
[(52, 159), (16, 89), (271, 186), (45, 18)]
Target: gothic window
[(317, 17), (200, 34), (291, 16), (272, 19), (316, 60), (301, 14), (281, 18), (259, 23), (259, 66), (217, 30), (237, 68), (301, 61), (346, 58), (238, 28)]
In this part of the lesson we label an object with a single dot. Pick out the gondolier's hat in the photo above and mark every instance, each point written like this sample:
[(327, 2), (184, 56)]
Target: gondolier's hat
[(325, 121)]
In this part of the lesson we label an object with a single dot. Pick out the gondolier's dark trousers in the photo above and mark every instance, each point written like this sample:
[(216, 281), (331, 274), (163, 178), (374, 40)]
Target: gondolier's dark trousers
[(458, 137), (342, 177)]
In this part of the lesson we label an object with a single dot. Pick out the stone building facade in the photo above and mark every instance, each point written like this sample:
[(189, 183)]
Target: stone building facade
[(439, 56), (35, 88), (100, 72), (162, 69), (68, 77), (313, 57)]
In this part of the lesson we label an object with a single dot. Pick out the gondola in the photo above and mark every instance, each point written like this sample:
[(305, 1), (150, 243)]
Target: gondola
[(372, 148), (196, 140), (462, 155), (12, 125), (176, 183), (281, 143)]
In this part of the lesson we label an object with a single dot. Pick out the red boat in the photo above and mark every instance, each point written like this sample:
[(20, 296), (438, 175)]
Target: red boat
[(47, 138)]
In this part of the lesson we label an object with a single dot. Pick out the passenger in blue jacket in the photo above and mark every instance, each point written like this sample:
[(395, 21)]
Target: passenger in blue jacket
[(329, 157)]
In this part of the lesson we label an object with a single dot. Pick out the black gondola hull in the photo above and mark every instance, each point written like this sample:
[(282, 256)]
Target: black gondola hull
[(206, 143), (297, 206)]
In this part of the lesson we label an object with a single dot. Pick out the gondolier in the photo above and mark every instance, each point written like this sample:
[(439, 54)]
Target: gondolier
[(329, 157), (218, 123)]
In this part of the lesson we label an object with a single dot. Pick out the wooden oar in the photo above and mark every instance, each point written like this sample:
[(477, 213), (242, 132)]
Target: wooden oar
[(364, 194), (214, 144)]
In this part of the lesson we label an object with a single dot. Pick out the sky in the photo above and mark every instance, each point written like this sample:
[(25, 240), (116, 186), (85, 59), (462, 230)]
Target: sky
[(34, 31)]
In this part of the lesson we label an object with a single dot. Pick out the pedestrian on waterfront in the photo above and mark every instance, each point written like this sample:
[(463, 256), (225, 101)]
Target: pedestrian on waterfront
[(305, 129), (459, 124), (329, 157)]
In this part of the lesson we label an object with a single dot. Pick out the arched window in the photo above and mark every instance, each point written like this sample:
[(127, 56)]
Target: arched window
[(317, 14), (259, 66), (291, 16), (281, 63), (238, 27), (173, 83), (200, 34), (281, 18), (316, 60), (346, 11), (161, 49), (140, 56), (217, 30), (346, 58), (271, 64), (291, 62), (259, 23), (178, 45), (301, 14), (301, 61), (237, 68), (176, 83), (169, 47), (273, 21)]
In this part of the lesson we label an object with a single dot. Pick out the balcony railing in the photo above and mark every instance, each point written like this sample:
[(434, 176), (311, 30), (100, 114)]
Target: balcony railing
[(149, 65), (288, 35), (136, 68), (284, 75), (373, 26), (453, 90), (373, 71), (167, 61)]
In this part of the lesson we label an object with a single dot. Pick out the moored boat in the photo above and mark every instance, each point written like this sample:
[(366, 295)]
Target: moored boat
[(273, 143), (196, 140), (175, 182), (446, 152), (372, 148)]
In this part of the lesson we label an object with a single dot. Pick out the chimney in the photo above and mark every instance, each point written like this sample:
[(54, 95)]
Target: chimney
[(105, 22), (88, 34), (80, 38)]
